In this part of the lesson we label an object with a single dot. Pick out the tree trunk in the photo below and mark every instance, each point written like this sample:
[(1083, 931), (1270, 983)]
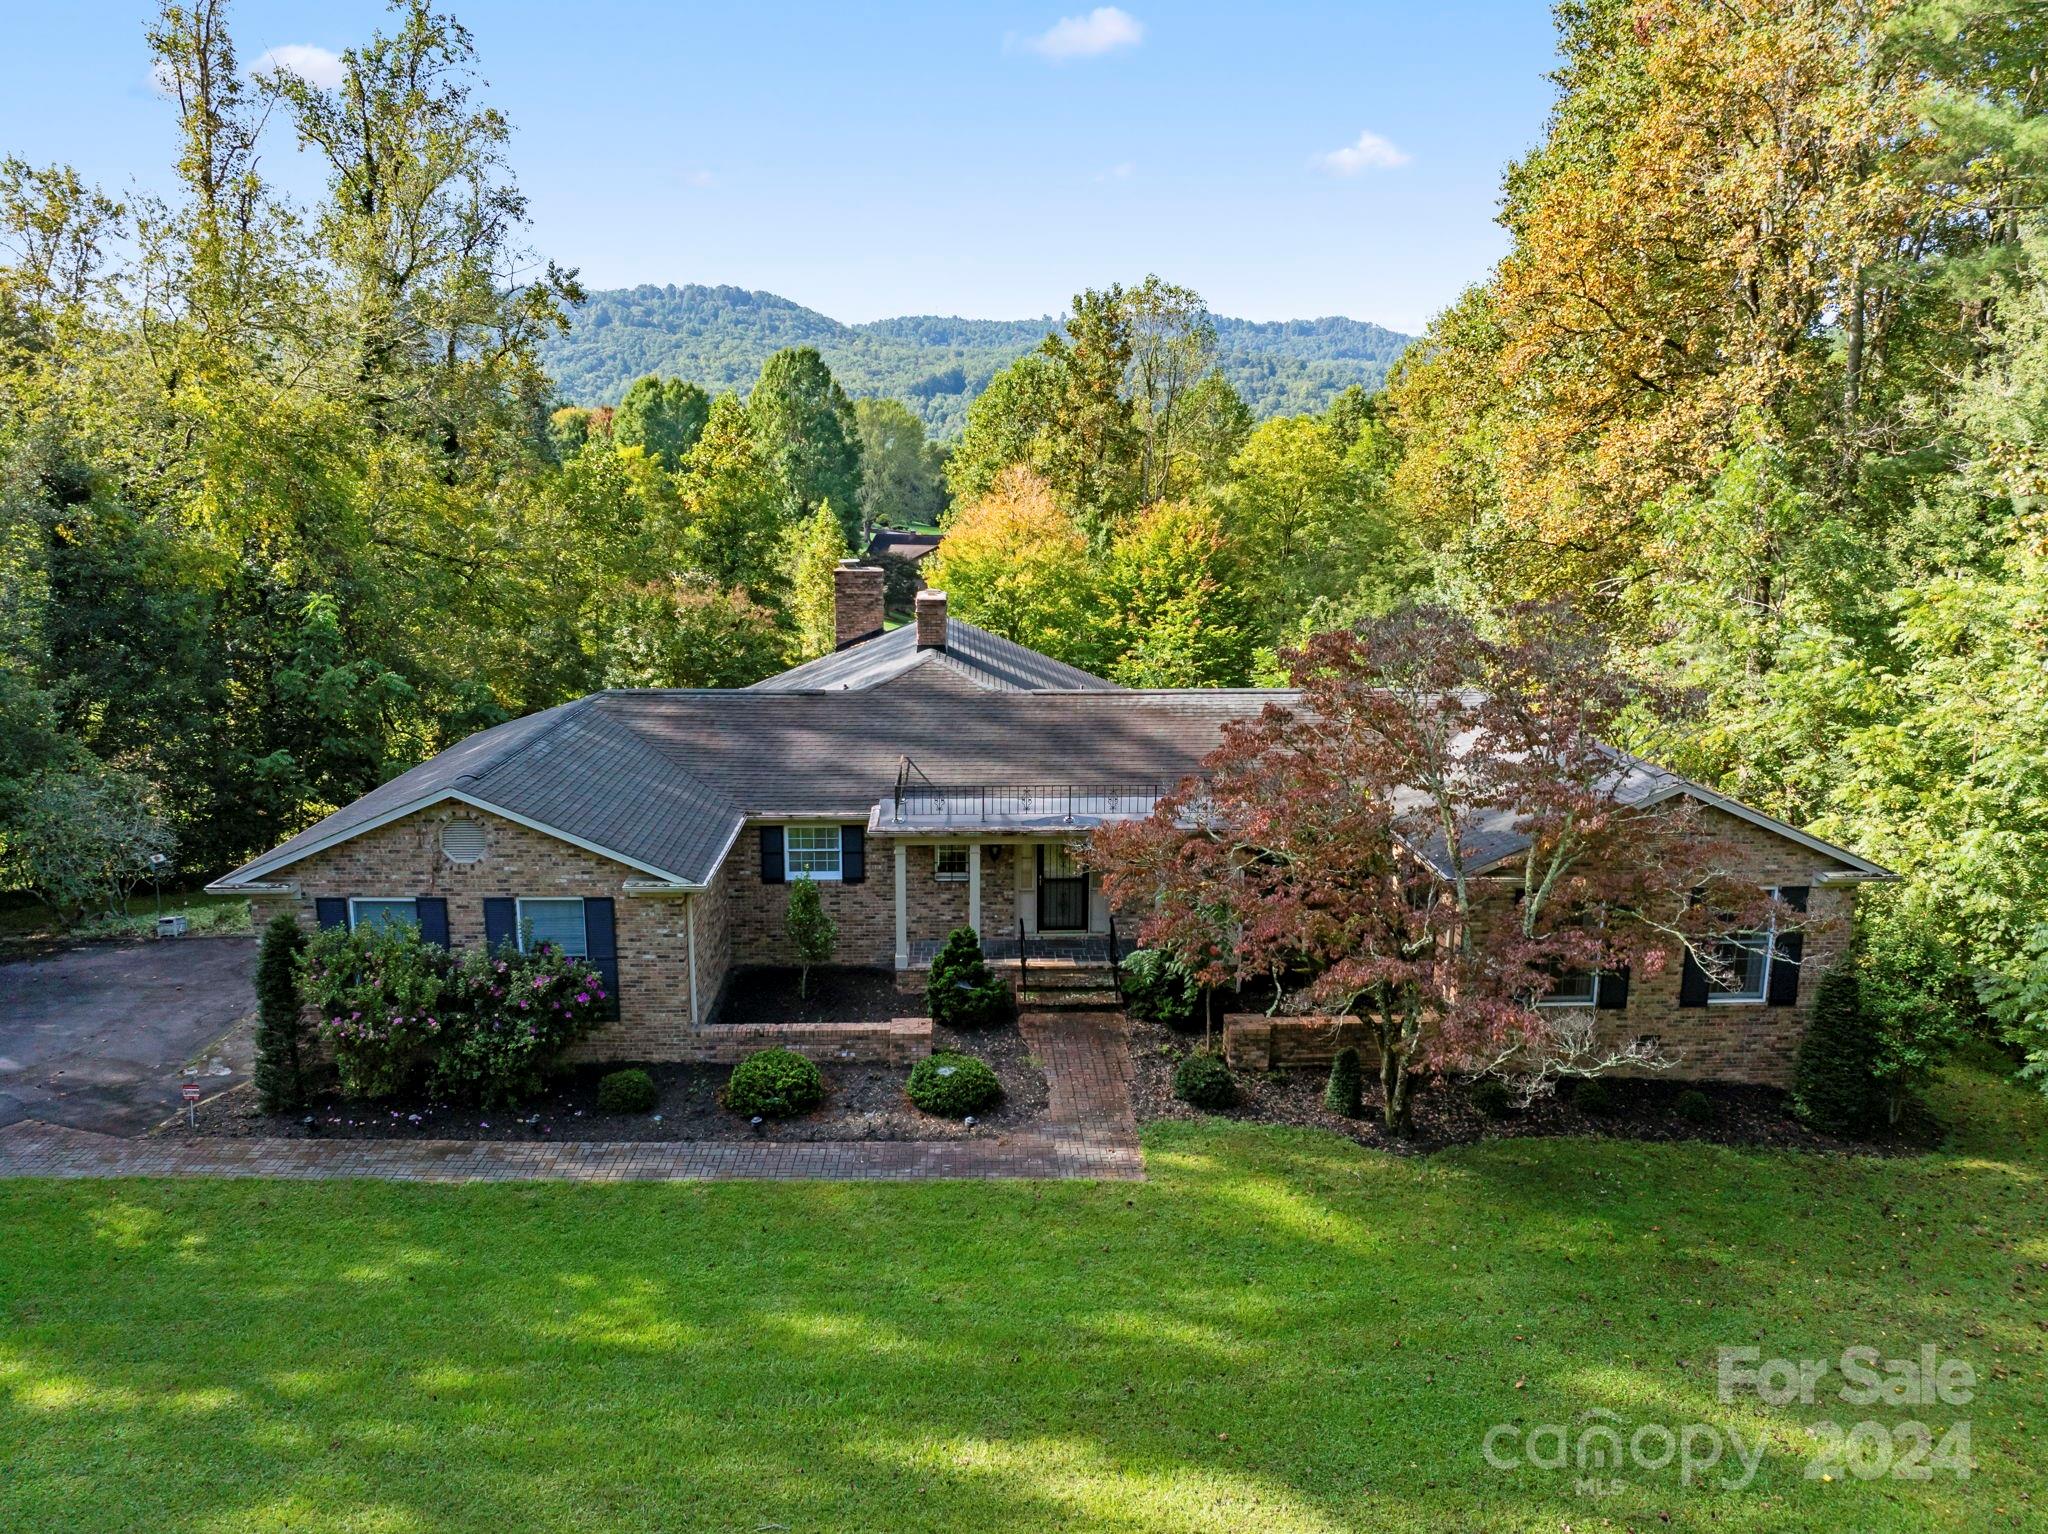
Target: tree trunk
[(1393, 1085)]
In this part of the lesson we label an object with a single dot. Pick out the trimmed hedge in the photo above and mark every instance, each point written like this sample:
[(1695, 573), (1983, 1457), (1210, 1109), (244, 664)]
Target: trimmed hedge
[(1204, 1081), (952, 1085), (629, 1091), (774, 1083)]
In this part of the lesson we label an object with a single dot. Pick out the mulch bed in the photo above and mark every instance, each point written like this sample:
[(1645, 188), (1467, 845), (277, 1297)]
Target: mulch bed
[(1444, 1114), (863, 1101), (769, 995)]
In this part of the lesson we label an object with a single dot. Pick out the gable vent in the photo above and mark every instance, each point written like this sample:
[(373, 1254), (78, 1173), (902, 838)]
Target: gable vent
[(462, 841)]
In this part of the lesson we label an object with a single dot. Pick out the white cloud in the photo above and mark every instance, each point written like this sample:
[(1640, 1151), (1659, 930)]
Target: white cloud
[(1371, 152), (1082, 37), (314, 65), (1123, 170), (699, 178)]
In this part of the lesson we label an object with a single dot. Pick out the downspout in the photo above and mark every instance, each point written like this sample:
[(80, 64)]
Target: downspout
[(690, 926)]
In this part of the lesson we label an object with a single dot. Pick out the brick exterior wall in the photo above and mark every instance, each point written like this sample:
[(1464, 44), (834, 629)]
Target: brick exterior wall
[(865, 913), (1733, 1042), (740, 921), (404, 859)]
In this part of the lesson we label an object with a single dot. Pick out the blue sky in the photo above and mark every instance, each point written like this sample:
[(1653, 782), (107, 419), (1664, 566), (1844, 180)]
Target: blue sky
[(1287, 160)]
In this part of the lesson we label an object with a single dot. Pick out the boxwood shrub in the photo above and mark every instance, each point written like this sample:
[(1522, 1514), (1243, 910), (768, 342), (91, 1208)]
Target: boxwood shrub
[(1492, 1097), (1592, 1095), (1694, 1106), (1204, 1081), (774, 1083), (629, 1091), (953, 1085)]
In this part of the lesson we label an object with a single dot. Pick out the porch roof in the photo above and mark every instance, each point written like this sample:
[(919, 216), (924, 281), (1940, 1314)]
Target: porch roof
[(1011, 809)]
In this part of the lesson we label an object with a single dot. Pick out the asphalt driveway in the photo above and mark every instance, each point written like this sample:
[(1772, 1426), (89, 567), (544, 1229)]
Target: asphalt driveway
[(99, 1037)]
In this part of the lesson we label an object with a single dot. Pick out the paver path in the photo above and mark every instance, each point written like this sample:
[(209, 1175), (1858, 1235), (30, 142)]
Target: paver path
[(1088, 1132)]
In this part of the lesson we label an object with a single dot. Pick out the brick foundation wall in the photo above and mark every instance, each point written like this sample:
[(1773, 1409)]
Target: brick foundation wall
[(900, 1041)]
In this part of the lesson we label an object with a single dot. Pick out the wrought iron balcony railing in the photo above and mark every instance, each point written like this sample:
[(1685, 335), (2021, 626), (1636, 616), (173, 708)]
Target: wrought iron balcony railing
[(995, 803)]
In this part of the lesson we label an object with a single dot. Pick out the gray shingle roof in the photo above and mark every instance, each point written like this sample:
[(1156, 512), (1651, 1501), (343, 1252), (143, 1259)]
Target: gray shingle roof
[(664, 780), (994, 662)]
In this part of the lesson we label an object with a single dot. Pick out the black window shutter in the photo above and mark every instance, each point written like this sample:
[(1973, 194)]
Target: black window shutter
[(1787, 953), (332, 911), (1613, 993), (1692, 982), (431, 911), (600, 936), (853, 854), (771, 856), (501, 922)]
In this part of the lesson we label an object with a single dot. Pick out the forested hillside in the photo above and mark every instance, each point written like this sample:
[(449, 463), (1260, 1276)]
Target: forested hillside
[(719, 337)]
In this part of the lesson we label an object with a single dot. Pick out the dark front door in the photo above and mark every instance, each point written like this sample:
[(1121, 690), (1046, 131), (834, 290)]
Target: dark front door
[(1062, 891)]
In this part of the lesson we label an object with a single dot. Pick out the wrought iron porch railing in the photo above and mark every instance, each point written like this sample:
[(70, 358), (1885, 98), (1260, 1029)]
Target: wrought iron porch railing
[(1067, 803)]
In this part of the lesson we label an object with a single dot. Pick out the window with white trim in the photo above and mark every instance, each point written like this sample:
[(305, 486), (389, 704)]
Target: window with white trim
[(949, 863), (1745, 959), (1580, 990), (811, 852), (558, 922), (375, 915)]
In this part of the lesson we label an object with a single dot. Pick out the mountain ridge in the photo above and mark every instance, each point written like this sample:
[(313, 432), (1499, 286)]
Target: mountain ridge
[(718, 336)]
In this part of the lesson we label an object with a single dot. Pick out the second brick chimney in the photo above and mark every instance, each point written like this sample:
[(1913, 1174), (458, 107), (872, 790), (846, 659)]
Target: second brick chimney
[(931, 620), (856, 602)]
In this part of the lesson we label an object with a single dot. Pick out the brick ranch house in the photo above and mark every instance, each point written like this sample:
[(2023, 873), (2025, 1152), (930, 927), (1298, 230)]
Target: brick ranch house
[(927, 778)]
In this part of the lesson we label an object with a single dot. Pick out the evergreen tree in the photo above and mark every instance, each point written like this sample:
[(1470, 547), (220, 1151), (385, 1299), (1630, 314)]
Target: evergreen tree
[(1834, 1084), (280, 1018)]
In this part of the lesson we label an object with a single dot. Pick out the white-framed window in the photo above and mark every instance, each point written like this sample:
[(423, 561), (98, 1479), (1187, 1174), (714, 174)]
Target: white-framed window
[(1580, 990), (811, 852), (1746, 960), (949, 863), (378, 914), (556, 921)]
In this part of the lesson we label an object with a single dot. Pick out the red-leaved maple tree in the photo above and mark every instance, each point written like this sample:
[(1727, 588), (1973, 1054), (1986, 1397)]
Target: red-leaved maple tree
[(1430, 838)]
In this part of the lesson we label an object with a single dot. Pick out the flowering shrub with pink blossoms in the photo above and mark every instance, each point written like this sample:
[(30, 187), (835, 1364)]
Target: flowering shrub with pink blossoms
[(378, 998), (401, 1013), (515, 1015)]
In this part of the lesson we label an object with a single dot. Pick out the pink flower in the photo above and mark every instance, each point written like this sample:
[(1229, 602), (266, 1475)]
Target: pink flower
[(583, 998)]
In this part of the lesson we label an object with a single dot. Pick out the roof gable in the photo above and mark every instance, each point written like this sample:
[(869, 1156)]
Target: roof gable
[(989, 660)]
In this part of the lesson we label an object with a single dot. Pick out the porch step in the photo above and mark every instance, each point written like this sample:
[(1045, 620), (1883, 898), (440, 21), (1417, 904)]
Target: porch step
[(1046, 975), (1065, 999)]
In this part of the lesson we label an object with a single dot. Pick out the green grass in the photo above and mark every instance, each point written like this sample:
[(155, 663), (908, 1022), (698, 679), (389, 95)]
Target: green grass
[(27, 925), (377, 1357)]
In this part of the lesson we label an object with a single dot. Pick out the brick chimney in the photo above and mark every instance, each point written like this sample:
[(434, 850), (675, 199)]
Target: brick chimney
[(931, 620), (856, 602)]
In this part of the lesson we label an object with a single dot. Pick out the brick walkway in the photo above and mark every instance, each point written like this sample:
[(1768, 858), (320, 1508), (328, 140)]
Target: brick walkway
[(1088, 1132)]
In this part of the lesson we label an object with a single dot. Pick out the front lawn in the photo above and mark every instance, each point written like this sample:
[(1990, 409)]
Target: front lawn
[(1281, 1331)]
